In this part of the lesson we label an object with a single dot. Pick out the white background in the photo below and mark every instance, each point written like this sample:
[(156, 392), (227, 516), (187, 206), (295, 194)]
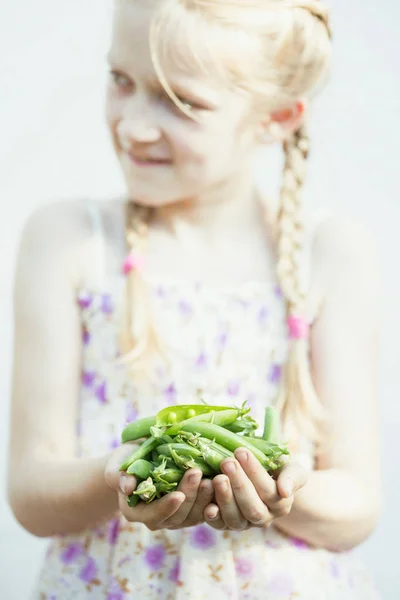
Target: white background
[(53, 144)]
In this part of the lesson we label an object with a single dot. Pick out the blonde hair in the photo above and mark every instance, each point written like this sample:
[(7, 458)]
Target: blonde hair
[(290, 45)]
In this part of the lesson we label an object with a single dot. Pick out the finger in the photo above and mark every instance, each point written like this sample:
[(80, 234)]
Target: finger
[(265, 487), (212, 517), (112, 474), (189, 486), (154, 514), (205, 496), (231, 512), (251, 505), (259, 477), (291, 478)]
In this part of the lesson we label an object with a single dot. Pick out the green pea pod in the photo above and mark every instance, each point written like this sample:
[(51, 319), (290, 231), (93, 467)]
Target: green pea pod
[(222, 418), (146, 490), (182, 449), (271, 431), (168, 475), (141, 468), (213, 453), (181, 412), (199, 463), (132, 500), (229, 440), (137, 429), (141, 452), (247, 425), (269, 449)]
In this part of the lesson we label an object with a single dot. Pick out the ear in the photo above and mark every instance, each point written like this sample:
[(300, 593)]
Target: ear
[(280, 124)]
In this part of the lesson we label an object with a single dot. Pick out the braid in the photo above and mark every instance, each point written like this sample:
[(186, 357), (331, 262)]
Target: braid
[(290, 225), (137, 334), (297, 399)]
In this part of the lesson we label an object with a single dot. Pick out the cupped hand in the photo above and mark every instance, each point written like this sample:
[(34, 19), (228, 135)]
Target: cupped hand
[(247, 496), (183, 508)]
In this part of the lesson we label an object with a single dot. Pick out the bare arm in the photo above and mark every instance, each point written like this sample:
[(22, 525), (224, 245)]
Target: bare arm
[(50, 490), (339, 506)]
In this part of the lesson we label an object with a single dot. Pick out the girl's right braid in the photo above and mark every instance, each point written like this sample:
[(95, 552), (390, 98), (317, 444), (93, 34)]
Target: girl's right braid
[(137, 326), (297, 398)]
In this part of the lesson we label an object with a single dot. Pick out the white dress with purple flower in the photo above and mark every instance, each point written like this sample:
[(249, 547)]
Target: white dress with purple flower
[(225, 346)]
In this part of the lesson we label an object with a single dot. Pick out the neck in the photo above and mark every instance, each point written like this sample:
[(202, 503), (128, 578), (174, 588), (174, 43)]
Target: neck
[(230, 207)]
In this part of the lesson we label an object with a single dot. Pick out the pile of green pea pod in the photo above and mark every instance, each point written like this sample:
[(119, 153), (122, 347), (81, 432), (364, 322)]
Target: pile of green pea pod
[(197, 436)]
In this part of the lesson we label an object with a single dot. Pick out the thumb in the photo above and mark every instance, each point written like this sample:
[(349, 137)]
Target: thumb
[(116, 479)]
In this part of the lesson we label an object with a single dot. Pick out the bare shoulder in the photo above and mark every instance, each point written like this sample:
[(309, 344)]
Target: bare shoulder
[(346, 271), (56, 233)]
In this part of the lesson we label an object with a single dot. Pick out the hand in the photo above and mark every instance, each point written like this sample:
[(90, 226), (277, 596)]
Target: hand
[(183, 508), (249, 497)]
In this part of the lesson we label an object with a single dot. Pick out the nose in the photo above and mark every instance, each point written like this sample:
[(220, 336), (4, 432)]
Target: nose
[(138, 123)]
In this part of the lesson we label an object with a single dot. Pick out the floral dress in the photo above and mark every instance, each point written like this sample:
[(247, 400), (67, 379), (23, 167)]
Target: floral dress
[(225, 345)]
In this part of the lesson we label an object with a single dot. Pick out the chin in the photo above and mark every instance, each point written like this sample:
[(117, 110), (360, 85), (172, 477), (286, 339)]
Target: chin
[(152, 198)]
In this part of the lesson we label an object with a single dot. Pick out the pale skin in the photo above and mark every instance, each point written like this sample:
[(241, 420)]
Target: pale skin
[(51, 491)]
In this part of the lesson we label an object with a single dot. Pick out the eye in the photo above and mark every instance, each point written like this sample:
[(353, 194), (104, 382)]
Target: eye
[(191, 104), (121, 81)]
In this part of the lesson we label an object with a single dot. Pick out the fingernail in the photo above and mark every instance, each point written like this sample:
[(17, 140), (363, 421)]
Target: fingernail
[(223, 485), (242, 455), (122, 484), (194, 478), (229, 467), (213, 514)]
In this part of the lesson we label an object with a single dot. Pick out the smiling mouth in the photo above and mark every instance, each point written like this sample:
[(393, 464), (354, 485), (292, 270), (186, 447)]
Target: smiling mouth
[(148, 161)]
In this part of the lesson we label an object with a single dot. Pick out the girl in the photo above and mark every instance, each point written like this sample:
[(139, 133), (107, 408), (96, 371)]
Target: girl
[(191, 288)]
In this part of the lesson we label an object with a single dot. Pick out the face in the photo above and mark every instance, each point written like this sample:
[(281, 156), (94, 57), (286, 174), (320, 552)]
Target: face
[(165, 155)]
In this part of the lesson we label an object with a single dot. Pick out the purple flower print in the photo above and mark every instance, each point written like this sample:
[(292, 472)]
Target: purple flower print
[(185, 308), (201, 360), (221, 340), (175, 572), (275, 373), (114, 443), (251, 398), (115, 592), (131, 412), (101, 392), (170, 394), (161, 292), (118, 595), (244, 567), (262, 314), (233, 388), (85, 299), (106, 304), (278, 291), (89, 571), (298, 543), (88, 378), (281, 584), (335, 570), (203, 537), (113, 531), (85, 337), (71, 553), (155, 556)]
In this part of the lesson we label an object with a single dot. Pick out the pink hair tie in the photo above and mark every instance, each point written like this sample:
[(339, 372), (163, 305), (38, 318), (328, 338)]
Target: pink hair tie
[(132, 262), (299, 329)]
